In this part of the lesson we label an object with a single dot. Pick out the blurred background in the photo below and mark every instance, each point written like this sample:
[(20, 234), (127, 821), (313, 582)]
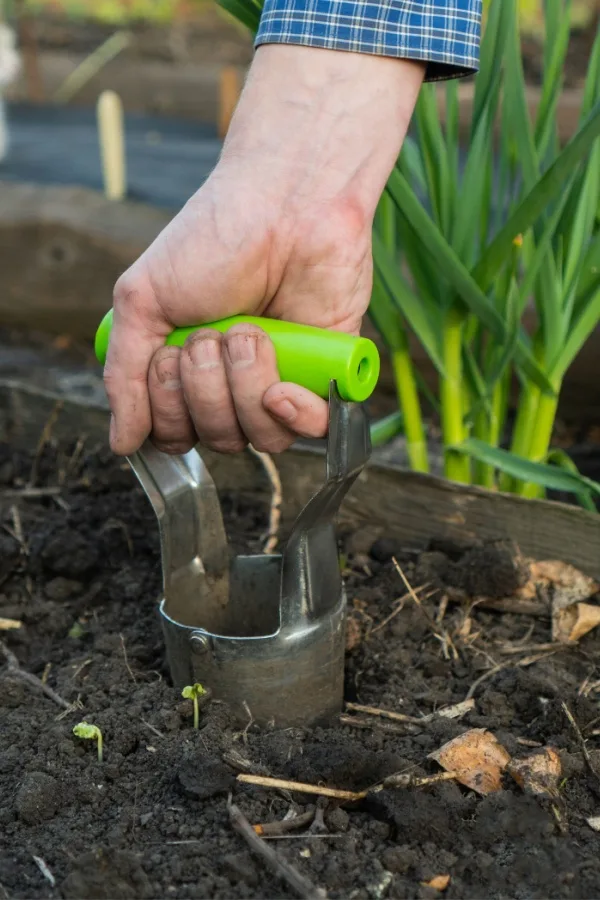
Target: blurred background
[(172, 69)]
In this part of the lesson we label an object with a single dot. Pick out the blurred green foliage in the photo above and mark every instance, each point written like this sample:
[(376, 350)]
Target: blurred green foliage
[(531, 14), (120, 12)]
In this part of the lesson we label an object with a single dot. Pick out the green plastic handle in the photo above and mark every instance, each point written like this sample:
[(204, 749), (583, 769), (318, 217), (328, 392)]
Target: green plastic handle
[(310, 357)]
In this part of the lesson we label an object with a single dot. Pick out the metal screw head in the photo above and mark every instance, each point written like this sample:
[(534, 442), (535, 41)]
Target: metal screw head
[(200, 643)]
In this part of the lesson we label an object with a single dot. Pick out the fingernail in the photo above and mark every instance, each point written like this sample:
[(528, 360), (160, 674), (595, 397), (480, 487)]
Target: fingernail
[(167, 372), (283, 409), (242, 348), (205, 353)]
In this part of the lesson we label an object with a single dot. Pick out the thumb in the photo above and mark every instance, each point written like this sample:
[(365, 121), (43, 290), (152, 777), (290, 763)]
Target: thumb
[(139, 329)]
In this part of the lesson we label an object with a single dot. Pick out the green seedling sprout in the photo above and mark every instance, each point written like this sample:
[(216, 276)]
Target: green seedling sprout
[(89, 732), (192, 692)]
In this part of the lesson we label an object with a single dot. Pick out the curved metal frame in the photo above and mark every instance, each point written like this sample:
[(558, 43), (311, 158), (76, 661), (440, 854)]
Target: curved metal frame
[(265, 633)]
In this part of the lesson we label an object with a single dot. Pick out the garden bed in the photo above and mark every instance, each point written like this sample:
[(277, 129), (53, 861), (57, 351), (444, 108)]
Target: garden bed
[(79, 568), (174, 69)]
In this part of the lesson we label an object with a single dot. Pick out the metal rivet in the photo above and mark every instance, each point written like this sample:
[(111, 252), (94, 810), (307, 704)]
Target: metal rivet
[(200, 644)]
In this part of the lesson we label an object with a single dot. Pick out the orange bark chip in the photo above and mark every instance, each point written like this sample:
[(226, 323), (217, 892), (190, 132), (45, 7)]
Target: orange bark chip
[(478, 759)]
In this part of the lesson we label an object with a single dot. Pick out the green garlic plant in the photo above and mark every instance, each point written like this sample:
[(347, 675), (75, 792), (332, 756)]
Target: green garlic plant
[(89, 732), (516, 223), (465, 242)]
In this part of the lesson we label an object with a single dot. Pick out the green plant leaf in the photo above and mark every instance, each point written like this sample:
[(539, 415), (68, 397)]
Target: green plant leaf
[(563, 461), (584, 218), (479, 387), (557, 16), (542, 249), (406, 302), (86, 731), (427, 283), (582, 326), (465, 227), (590, 267), (384, 430), (450, 266), (385, 222), (492, 57), (193, 691), (537, 199), (500, 356), (440, 181), (452, 126), (549, 477), (384, 315), (444, 256), (516, 116), (591, 92), (245, 11), (411, 165)]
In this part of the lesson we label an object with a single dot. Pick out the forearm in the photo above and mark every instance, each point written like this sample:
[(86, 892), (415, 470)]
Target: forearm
[(323, 124)]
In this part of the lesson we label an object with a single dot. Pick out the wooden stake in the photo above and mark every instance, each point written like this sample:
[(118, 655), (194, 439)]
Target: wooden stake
[(31, 61), (229, 94), (112, 144)]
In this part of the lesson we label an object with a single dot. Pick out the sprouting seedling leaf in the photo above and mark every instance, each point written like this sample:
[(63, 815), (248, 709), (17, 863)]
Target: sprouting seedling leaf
[(89, 732), (193, 692)]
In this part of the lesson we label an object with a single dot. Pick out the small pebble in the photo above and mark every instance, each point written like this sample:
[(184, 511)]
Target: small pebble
[(338, 820)]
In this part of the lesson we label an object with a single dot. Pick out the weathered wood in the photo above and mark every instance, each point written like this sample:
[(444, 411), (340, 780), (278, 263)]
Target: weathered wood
[(152, 86), (409, 507), (61, 251)]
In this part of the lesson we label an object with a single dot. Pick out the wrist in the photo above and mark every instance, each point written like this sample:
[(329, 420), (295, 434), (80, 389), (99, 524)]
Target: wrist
[(322, 125)]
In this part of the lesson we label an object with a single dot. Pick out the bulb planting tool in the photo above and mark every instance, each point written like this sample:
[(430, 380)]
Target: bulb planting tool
[(266, 633)]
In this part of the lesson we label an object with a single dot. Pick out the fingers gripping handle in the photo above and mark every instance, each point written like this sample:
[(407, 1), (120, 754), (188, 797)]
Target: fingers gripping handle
[(307, 356)]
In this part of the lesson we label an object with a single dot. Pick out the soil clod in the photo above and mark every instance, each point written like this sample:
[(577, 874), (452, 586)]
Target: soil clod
[(38, 798)]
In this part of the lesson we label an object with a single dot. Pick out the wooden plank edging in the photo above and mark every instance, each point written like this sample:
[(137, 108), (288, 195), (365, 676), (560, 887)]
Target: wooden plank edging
[(407, 506)]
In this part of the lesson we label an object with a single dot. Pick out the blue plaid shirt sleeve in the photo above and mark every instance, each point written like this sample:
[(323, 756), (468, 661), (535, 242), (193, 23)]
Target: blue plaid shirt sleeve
[(443, 33)]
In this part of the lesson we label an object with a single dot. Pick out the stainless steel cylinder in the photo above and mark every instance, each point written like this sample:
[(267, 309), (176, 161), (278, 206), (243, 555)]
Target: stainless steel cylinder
[(265, 633)]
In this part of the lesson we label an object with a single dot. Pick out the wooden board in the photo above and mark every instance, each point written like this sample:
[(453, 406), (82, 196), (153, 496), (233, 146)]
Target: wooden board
[(409, 507), (61, 251)]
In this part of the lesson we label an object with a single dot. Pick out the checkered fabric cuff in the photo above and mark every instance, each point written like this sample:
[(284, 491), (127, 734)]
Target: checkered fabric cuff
[(443, 33)]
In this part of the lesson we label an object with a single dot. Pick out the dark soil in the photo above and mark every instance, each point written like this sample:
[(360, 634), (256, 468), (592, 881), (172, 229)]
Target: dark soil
[(80, 569)]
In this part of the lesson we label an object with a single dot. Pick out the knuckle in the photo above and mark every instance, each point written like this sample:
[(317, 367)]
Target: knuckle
[(273, 444), (113, 384), (125, 290), (133, 298), (169, 418), (173, 448), (226, 445)]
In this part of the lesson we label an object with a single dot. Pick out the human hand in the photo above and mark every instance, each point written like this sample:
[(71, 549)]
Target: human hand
[(282, 228)]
